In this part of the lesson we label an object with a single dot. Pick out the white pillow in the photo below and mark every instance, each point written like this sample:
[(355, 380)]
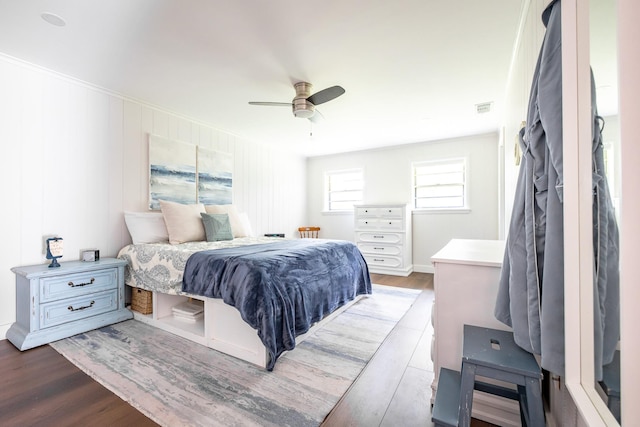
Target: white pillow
[(146, 227), (183, 222), (234, 219), (245, 225)]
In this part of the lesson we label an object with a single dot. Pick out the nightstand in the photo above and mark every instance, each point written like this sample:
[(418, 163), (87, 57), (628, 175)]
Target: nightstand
[(55, 303)]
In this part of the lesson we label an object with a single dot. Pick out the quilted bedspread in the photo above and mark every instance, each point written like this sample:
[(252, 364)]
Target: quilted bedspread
[(281, 288)]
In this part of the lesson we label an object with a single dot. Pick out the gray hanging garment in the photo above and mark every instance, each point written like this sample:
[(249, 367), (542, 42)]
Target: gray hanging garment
[(531, 289)]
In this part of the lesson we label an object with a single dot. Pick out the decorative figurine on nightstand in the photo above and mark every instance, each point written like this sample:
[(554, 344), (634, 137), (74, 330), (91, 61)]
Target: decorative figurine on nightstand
[(54, 251)]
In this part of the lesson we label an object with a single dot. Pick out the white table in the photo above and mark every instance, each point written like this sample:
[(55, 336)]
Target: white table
[(466, 284)]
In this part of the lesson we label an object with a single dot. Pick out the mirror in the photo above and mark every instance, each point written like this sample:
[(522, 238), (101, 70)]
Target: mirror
[(606, 327)]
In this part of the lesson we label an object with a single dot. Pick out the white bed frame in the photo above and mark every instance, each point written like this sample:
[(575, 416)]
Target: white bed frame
[(221, 328)]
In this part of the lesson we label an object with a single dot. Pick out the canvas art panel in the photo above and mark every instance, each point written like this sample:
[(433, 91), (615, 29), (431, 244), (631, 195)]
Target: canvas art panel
[(172, 172), (215, 177)]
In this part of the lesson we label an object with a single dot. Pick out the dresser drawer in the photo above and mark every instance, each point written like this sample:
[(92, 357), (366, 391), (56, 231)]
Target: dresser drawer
[(72, 285), (394, 212), (367, 224), (391, 224), (366, 236), (383, 261), (366, 212), (56, 313), (381, 249)]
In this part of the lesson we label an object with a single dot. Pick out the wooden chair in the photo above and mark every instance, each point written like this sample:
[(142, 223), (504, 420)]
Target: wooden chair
[(309, 232)]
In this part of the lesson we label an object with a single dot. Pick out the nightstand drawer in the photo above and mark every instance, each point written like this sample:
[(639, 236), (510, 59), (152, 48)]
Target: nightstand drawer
[(56, 313), (72, 285)]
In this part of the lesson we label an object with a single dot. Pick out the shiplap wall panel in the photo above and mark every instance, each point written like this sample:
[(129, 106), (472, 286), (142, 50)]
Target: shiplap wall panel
[(115, 225), (98, 143), (132, 158), (32, 174), (10, 176)]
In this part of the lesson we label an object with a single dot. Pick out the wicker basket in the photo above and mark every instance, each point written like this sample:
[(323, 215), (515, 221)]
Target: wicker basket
[(141, 301)]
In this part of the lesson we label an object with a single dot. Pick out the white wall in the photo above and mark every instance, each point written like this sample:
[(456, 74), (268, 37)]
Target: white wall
[(387, 175), (517, 97), (75, 157)]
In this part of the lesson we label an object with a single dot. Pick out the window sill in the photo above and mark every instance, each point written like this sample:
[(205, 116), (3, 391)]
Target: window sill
[(441, 211), (329, 213)]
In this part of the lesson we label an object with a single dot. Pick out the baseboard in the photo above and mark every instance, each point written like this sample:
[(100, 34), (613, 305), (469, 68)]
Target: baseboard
[(423, 268), (3, 331)]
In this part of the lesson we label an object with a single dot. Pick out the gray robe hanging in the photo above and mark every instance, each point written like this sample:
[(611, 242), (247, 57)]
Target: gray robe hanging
[(531, 290)]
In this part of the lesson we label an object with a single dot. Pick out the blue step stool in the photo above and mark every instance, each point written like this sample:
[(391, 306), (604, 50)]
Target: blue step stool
[(489, 353)]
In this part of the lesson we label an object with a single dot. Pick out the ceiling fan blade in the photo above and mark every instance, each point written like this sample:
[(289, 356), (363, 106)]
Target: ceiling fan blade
[(271, 104), (326, 95)]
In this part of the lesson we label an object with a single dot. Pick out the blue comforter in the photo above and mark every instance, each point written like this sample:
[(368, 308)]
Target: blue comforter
[(280, 288)]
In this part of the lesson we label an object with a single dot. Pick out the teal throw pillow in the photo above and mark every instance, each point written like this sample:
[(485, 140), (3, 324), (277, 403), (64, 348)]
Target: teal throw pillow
[(217, 227)]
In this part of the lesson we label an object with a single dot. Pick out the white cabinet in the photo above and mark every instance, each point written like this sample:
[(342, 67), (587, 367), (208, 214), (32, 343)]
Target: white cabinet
[(383, 235), (466, 285)]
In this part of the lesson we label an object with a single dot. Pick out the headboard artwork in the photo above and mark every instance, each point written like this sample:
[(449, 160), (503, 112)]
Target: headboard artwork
[(185, 173), (215, 177)]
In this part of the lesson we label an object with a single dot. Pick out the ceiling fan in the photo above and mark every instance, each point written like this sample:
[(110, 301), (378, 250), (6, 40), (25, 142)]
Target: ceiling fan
[(304, 104)]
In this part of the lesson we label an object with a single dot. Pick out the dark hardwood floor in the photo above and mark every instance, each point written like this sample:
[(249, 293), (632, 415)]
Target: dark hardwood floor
[(39, 387)]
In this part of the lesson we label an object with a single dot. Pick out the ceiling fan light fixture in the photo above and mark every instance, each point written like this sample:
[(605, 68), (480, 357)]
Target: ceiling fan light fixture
[(302, 108)]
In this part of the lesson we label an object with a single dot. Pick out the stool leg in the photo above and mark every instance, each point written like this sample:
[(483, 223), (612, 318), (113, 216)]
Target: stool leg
[(534, 402), (467, 382), (522, 394)]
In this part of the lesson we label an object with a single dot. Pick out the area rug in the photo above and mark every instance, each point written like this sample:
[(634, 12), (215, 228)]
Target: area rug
[(177, 382)]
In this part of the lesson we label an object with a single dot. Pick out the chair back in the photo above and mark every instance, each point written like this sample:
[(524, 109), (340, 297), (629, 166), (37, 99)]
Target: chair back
[(309, 232)]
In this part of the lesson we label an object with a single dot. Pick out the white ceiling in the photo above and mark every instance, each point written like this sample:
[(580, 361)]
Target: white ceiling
[(413, 70)]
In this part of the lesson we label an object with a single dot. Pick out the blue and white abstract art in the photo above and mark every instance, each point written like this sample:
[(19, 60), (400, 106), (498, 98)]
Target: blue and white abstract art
[(215, 177), (172, 172)]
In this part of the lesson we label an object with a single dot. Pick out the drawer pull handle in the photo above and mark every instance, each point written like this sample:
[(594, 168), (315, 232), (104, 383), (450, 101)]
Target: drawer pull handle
[(378, 260), (378, 237), (73, 285), (70, 308), (378, 249)]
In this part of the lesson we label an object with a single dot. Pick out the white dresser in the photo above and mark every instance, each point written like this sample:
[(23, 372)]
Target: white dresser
[(466, 286), (383, 235)]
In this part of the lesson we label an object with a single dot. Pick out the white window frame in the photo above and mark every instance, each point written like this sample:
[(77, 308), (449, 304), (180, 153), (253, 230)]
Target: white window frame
[(327, 190), (464, 162)]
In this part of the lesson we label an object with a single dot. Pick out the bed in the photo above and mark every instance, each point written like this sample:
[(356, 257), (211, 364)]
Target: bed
[(260, 295)]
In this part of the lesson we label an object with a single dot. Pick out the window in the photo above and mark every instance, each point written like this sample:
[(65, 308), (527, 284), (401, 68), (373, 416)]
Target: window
[(343, 189), (439, 184)]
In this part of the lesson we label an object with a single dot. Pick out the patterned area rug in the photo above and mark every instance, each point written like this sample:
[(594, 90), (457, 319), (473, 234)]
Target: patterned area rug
[(177, 382)]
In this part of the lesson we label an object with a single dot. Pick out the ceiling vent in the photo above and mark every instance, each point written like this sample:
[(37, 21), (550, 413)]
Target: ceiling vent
[(485, 107)]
